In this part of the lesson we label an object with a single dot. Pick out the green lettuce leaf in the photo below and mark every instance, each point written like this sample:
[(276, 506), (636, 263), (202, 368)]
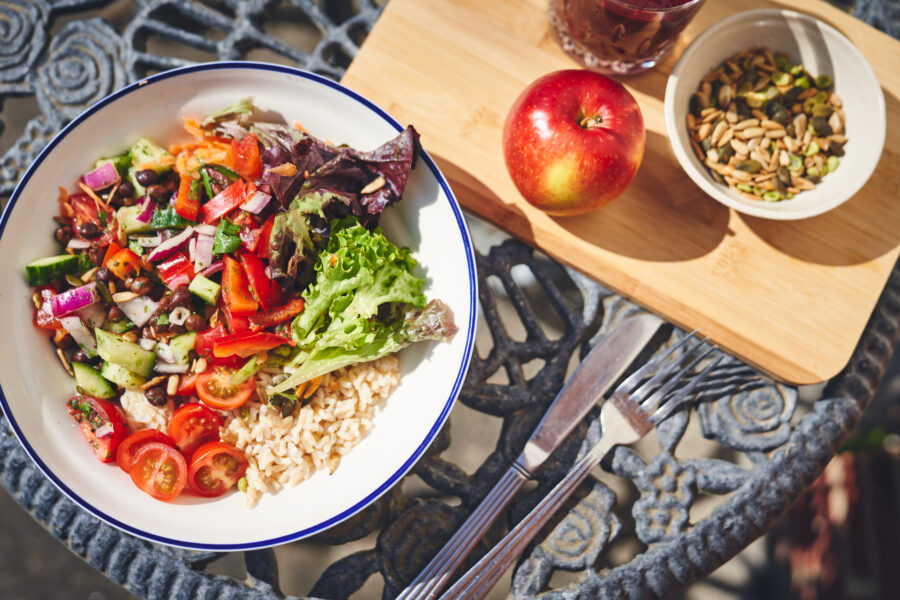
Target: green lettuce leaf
[(365, 303)]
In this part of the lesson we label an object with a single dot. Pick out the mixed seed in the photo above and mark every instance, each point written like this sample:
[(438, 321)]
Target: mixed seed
[(766, 127)]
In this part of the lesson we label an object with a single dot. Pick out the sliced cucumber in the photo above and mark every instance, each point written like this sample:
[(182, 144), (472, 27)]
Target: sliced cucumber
[(139, 190), (181, 346), (127, 217), (121, 376), (144, 151), (91, 382), (120, 326), (46, 270), (114, 349), (204, 288), (121, 162)]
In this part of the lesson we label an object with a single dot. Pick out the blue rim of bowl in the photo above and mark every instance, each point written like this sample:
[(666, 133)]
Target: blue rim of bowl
[(699, 175), (457, 383)]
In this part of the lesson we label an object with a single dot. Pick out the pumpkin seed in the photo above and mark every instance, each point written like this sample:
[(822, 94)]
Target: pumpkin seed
[(832, 164), (749, 165), (796, 164), (836, 148), (802, 83), (812, 149), (821, 109), (74, 281), (820, 126), (772, 196), (824, 81)]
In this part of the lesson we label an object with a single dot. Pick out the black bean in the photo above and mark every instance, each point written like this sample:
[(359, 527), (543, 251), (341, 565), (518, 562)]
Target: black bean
[(156, 191), (115, 313), (64, 234), (146, 177), (90, 230), (157, 396), (180, 297), (125, 189), (140, 285), (170, 181), (103, 274), (157, 293), (177, 329), (195, 323), (96, 255)]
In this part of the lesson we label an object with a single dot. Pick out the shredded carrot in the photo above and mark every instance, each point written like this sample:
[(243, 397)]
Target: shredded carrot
[(65, 209), (299, 127), (194, 128), (97, 200), (163, 161)]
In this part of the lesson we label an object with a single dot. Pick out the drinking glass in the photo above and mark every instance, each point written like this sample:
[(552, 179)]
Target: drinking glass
[(619, 37)]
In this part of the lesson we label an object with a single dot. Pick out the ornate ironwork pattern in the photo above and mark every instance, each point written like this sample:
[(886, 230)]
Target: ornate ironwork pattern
[(741, 410)]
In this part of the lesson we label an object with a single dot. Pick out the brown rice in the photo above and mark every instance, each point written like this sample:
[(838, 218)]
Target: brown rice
[(283, 452)]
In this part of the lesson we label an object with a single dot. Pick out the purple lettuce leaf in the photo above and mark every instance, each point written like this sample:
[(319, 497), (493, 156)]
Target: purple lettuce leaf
[(280, 144)]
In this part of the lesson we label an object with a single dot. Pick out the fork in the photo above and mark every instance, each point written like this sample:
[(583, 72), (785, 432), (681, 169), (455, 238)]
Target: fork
[(631, 412)]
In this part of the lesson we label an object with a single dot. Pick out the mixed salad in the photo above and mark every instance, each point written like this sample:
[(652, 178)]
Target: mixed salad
[(188, 270)]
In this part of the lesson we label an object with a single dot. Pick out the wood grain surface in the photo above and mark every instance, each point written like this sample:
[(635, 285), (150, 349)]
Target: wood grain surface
[(791, 298)]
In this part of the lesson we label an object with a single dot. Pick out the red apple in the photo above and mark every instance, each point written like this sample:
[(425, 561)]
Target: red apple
[(573, 141)]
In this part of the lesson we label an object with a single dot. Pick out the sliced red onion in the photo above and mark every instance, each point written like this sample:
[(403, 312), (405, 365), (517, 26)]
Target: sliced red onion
[(102, 177), (147, 210), (147, 344), (170, 246), (74, 299), (179, 315), (139, 310), (80, 333), (213, 268), (203, 255), (93, 315), (105, 430), (78, 244), (178, 281), (256, 202), (167, 367), (147, 241), (205, 229), (192, 249)]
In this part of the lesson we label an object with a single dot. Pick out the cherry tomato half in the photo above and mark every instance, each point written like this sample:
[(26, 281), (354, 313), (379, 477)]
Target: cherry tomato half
[(216, 390), (215, 467), (101, 423), (125, 453), (159, 470), (193, 425)]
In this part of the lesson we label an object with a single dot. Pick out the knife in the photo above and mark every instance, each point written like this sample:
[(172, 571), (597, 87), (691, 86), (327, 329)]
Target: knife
[(603, 366)]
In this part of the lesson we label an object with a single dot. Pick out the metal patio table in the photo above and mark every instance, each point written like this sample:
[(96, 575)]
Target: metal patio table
[(62, 59)]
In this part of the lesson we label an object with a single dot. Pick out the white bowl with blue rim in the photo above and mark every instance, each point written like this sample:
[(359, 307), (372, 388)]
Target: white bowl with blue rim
[(34, 386)]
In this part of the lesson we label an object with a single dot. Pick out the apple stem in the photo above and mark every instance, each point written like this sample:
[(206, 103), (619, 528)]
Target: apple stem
[(591, 122)]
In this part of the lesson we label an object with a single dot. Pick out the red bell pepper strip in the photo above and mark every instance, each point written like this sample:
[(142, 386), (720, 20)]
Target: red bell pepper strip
[(260, 283), (224, 202), (110, 252), (281, 314), (205, 342), (262, 248), (175, 268), (236, 289), (187, 203), (247, 344), (187, 385), (244, 157), (249, 237), (124, 264)]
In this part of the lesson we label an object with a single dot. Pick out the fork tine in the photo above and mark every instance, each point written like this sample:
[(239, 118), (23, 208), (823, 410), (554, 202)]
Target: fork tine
[(628, 385), (653, 401), (643, 394), (683, 394)]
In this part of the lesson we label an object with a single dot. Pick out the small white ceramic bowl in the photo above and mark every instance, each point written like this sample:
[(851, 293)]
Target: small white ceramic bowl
[(35, 387), (822, 50)]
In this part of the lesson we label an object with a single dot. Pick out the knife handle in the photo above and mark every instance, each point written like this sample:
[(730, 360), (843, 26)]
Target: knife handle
[(432, 579)]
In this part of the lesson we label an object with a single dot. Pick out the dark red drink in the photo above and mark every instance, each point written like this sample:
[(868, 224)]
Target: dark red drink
[(619, 36)]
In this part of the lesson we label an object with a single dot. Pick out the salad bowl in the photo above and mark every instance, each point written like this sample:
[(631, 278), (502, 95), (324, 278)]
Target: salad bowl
[(34, 386)]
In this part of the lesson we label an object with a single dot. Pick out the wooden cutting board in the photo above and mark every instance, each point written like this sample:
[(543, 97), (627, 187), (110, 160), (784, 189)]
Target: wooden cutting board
[(791, 298)]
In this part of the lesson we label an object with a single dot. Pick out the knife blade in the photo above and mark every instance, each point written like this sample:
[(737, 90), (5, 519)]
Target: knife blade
[(599, 370), (602, 367)]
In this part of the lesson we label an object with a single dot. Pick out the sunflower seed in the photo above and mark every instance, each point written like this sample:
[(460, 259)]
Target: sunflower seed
[(835, 100), (717, 132), (153, 382), (704, 131), (751, 132), (65, 362), (746, 123), (776, 133), (726, 137), (712, 116), (172, 384), (123, 297), (691, 121)]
